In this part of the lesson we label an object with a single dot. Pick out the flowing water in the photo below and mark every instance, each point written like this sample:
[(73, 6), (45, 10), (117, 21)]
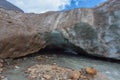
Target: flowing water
[(16, 68)]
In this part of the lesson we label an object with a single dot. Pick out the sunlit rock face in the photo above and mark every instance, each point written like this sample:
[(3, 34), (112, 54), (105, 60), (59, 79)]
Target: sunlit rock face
[(107, 21), (96, 31)]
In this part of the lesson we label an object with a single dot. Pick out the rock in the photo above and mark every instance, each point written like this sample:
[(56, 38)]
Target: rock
[(1, 60), (38, 58), (48, 77), (91, 71), (1, 65), (92, 31), (1, 70), (83, 77), (47, 72), (74, 75), (17, 67)]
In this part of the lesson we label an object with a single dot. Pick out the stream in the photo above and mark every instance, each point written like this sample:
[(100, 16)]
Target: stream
[(15, 69)]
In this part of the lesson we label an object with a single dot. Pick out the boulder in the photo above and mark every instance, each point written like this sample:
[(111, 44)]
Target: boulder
[(96, 31)]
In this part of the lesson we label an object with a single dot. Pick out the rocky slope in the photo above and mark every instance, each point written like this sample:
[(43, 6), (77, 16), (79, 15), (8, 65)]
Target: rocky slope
[(95, 31), (7, 5)]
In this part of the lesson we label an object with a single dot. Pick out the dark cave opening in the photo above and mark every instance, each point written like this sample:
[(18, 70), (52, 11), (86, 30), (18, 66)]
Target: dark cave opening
[(77, 52)]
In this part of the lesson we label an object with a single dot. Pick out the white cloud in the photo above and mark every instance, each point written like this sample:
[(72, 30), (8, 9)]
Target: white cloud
[(38, 6)]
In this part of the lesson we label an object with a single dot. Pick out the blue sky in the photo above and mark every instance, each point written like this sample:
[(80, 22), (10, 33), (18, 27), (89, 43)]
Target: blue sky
[(40, 6), (83, 4)]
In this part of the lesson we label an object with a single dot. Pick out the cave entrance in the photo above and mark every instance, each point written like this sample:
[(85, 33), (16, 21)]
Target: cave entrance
[(73, 51), (67, 50), (59, 50)]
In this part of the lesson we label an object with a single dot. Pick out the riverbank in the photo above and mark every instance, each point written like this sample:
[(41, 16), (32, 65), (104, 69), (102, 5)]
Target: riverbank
[(15, 69)]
